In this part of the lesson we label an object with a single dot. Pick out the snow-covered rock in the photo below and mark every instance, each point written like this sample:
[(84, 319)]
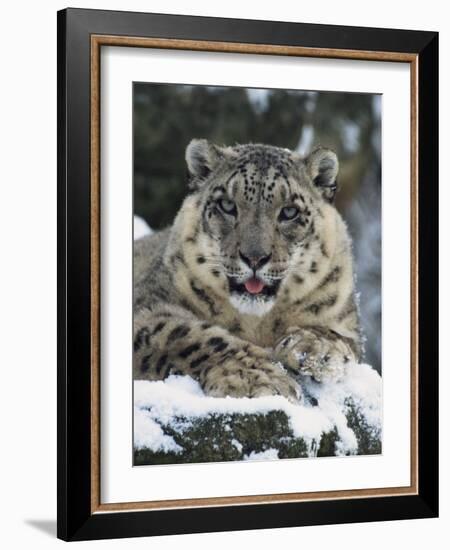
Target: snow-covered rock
[(175, 422)]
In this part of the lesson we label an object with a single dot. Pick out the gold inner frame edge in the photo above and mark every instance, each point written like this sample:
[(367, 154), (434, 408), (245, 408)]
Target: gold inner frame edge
[(97, 41)]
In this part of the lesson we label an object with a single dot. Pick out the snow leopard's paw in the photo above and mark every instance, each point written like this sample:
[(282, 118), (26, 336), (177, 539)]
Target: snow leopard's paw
[(315, 352)]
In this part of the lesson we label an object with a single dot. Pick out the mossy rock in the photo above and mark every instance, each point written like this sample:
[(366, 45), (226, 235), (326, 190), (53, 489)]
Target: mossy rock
[(226, 437)]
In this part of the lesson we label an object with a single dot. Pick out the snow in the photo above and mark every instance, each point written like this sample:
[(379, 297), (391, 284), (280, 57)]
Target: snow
[(178, 400), (269, 454), (351, 132), (306, 140), (259, 98), (140, 228), (148, 434), (236, 443)]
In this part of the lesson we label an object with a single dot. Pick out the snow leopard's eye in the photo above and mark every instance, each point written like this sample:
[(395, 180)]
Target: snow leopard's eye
[(288, 213), (227, 206)]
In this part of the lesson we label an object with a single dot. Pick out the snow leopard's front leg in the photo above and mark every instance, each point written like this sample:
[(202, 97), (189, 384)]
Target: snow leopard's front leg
[(177, 342), (316, 351)]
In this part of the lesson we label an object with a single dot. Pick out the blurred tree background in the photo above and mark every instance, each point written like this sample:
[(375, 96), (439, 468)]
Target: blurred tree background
[(167, 116)]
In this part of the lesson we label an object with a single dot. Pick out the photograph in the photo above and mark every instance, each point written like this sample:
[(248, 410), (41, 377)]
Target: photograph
[(256, 273), (224, 270), (247, 274)]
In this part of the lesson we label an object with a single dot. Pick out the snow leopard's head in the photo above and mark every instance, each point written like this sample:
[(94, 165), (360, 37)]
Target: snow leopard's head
[(258, 210)]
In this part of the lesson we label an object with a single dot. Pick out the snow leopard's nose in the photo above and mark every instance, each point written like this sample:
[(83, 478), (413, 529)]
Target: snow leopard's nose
[(255, 262)]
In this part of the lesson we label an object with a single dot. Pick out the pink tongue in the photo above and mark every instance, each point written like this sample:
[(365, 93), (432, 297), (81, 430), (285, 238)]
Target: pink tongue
[(254, 285)]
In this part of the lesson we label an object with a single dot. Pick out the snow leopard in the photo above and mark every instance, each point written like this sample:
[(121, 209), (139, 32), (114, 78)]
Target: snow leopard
[(251, 288)]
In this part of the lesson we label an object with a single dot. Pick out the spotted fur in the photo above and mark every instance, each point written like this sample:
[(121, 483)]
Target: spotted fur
[(193, 314)]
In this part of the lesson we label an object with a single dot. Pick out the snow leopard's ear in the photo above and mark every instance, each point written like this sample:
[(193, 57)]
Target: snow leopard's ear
[(201, 158), (322, 166)]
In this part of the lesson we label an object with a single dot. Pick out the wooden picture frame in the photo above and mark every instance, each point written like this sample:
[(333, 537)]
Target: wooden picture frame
[(81, 35)]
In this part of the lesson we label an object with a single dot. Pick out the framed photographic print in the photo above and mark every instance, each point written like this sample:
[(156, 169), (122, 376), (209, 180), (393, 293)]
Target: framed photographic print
[(247, 241)]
